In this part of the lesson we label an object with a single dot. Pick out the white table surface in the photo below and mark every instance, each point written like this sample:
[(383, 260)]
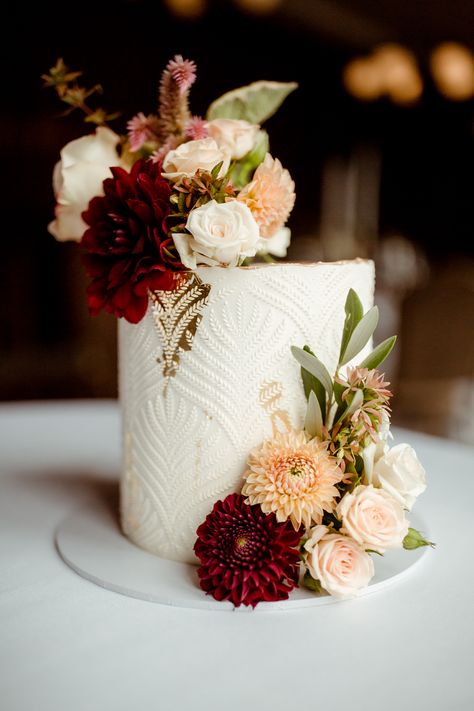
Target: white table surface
[(68, 645)]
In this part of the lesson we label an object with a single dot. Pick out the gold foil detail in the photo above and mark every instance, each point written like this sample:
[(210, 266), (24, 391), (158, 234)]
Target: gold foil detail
[(177, 315), (270, 395)]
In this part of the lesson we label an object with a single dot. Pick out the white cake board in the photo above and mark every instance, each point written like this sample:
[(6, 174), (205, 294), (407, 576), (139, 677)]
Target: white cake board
[(91, 543)]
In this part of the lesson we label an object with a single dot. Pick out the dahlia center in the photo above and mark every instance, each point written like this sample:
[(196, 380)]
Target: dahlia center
[(294, 472), (241, 542)]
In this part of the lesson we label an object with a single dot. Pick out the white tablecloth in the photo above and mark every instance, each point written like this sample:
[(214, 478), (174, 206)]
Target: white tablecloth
[(68, 645)]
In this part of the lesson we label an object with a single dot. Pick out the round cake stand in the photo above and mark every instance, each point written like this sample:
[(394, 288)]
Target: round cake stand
[(91, 543)]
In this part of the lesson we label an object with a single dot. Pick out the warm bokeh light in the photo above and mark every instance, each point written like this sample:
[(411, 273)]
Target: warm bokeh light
[(187, 9), (258, 7), (362, 79), (391, 71), (399, 73), (452, 66)]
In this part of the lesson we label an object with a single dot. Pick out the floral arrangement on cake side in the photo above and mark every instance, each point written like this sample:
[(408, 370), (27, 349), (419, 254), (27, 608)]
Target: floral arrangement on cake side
[(317, 503), (177, 192)]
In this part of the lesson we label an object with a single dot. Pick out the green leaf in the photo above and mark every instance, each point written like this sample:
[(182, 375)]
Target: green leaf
[(216, 170), (338, 391), (310, 383), (181, 203), (354, 313), (254, 103), (379, 354), (354, 404), (415, 539), (313, 423), (244, 168), (360, 335), (312, 584), (370, 550), (314, 366)]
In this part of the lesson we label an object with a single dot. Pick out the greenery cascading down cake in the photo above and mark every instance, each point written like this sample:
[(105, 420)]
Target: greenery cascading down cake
[(255, 421)]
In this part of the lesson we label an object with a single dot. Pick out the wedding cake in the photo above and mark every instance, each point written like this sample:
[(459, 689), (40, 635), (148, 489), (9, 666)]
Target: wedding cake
[(208, 375), (255, 419)]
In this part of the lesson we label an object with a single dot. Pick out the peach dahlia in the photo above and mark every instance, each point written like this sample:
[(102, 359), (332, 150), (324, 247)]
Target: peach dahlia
[(294, 478)]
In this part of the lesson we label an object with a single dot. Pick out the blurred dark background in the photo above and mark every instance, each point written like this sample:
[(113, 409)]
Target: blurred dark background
[(380, 172)]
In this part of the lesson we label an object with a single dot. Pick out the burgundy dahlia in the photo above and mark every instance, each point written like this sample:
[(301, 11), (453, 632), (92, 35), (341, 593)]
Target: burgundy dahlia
[(246, 556), (128, 247)]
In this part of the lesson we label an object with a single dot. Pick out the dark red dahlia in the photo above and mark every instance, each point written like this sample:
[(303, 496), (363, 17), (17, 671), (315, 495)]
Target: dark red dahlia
[(246, 556), (128, 247)]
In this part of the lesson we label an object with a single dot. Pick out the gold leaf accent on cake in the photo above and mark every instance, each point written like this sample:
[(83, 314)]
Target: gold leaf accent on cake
[(177, 315), (270, 395)]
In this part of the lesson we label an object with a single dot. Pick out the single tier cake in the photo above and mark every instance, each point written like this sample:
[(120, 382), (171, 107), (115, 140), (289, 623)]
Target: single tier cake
[(207, 375)]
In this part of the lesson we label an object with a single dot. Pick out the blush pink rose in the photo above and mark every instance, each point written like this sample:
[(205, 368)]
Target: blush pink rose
[(373, 518), (339, 563)]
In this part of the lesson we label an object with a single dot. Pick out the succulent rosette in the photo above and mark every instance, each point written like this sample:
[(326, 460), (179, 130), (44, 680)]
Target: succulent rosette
[(246, 556)]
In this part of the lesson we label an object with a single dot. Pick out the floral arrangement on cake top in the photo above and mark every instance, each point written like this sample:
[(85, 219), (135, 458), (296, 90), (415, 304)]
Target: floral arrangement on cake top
[(177, 192), (317, 503)]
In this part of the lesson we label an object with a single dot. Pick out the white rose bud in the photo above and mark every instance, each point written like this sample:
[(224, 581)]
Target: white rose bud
[(203, 154), (221, 234), (339, 563), (373, 518), (233, 136), (400, 473), (78, 177)]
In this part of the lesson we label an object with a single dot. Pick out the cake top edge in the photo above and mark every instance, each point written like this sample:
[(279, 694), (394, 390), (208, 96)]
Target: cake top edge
[(274, 265)]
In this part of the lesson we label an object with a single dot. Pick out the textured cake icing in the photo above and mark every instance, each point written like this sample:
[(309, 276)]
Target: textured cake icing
[(207, 375)]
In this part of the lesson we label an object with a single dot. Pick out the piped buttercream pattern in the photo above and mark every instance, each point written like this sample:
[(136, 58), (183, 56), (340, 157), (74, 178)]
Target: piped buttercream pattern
[(188, 447)]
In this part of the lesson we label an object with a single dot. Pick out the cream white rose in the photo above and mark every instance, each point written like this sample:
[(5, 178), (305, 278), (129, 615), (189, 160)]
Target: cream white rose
[(235, 137), (202, 154), (400, 473), (78, 177), (339, 563), (221, 233), (276, 245), (373, 518)]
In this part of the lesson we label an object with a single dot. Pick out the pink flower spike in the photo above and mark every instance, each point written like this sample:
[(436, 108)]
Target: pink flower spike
[(183, 72), (141, 129), (196, 128)]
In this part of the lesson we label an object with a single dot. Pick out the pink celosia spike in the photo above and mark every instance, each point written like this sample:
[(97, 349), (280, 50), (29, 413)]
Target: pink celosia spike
[(183, 72), (196, 128)]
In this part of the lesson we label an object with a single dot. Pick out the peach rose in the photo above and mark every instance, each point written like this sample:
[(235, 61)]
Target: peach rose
[(373, 518), (189, 157), (339, 563), (233, 136)]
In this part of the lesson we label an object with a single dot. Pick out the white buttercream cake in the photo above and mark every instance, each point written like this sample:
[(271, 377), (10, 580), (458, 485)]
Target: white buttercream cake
[(208, 375)]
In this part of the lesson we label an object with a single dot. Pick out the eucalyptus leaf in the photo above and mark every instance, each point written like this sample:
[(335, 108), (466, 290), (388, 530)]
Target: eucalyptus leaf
[(310, 383), (254, 103), (354, 313), (414, 539), (314, 366), (361, 335), (379, 354), (313, 423)]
